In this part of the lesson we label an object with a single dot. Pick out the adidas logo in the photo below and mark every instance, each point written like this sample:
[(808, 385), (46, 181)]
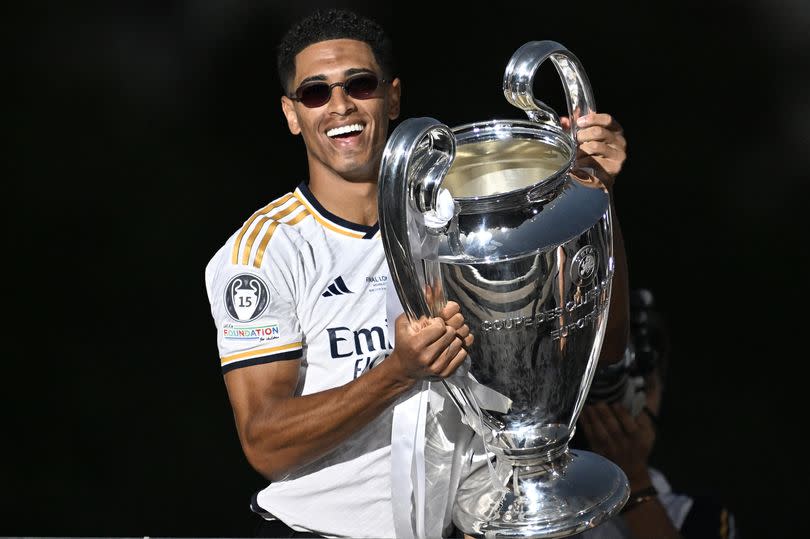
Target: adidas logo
[(337, 288)]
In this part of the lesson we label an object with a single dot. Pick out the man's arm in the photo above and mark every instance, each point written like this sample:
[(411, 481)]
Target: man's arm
[(603, 148), (280, 431)]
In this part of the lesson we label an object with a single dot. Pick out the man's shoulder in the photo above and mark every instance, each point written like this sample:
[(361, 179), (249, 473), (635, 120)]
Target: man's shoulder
[(277, 220), (271, 233)]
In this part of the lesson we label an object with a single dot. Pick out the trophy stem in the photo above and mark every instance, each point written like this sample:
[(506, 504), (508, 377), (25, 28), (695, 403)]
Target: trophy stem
[(537, 459)]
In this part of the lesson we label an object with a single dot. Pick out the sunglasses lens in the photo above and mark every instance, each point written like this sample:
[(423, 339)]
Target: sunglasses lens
[(361, 86), (314, 95), (318, 93)]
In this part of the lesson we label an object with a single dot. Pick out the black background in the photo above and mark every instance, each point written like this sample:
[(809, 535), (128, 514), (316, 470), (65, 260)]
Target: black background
[(142, 134)]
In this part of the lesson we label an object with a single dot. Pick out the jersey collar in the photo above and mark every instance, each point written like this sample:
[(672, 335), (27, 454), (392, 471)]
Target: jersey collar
[(332, 221)]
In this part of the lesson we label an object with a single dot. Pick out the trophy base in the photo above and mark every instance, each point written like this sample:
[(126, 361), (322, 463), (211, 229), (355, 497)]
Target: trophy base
[(566, 496)]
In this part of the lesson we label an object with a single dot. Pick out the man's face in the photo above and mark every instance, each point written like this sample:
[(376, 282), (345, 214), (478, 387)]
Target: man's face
[(353, 153)]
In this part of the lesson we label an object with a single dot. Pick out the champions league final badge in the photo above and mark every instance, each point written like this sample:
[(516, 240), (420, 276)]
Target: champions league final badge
[(377, 283), (246, 297), (583, 266)]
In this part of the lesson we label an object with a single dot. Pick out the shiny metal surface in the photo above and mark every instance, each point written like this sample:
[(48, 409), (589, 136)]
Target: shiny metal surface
[(528, 256), (561, 498), (537, 333), (519, 78), (416, 158)]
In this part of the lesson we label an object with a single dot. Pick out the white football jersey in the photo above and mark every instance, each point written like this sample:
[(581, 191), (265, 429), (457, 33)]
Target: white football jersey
[(299, 283)]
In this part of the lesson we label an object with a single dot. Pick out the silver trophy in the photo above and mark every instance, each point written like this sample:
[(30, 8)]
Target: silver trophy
[(495, 216)]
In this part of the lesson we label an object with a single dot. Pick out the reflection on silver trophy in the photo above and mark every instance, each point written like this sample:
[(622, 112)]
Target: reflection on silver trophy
[(494, 216)]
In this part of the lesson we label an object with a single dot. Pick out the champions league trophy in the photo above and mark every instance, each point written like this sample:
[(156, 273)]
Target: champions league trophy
[(495, 216)]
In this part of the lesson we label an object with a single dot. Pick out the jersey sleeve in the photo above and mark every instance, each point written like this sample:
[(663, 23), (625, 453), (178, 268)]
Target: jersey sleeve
[(254, 308)]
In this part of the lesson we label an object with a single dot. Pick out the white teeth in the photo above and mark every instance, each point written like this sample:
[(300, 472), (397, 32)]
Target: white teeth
[(344, 129)]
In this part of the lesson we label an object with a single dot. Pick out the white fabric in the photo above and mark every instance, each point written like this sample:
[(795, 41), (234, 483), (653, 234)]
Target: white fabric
[(320, 286), (677, 505), (433, 450), (436, 469), (407, 446), (426, 461), (445, 208), (407, 442)]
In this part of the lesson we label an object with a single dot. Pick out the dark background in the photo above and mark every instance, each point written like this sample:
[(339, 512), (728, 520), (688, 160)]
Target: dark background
[(142, 134)]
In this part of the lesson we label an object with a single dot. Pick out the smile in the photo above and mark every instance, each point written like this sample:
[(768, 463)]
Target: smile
[(345, 130)]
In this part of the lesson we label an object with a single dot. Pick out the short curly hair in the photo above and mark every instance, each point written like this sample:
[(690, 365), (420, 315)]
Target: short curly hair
[(332, 24)]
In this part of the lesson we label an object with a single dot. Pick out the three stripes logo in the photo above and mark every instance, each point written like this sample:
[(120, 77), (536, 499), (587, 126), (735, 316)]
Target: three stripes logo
[(337, 288)]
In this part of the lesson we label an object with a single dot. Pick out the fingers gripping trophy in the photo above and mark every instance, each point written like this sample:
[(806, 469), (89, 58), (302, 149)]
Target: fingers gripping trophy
[(496, 217)]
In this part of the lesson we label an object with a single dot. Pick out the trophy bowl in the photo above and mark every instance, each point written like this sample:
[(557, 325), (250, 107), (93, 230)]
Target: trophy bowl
[(496, 217)]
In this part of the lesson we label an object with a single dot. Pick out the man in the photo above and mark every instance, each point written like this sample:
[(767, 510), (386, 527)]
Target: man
[(298, 297)]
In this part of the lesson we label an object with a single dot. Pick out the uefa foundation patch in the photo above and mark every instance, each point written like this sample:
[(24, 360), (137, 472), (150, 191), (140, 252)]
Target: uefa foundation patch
[(269, 332)]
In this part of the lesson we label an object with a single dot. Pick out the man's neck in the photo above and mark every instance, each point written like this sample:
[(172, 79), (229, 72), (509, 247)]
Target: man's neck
[(355, 201)]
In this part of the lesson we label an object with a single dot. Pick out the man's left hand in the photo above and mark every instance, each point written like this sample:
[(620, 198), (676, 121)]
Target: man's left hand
[(602, 146)]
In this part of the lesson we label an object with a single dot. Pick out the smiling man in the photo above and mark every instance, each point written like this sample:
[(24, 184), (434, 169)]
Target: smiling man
[(298, 295)]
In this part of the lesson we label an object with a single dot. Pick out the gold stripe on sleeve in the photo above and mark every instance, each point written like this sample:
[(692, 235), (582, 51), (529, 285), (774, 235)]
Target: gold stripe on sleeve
[(252, 237), (278, 216), (255, 233), (267, 209), (298, 218), (267, 235), (257, 262)]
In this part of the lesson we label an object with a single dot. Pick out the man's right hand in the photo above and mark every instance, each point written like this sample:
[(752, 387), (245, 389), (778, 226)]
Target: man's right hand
[(429, 348)]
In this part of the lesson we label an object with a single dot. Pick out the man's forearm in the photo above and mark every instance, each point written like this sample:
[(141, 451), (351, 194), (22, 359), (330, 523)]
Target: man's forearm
[(288, 432), (618, 324)]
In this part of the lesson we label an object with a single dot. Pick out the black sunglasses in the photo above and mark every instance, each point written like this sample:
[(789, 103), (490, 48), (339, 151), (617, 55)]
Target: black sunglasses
[(318, 93)]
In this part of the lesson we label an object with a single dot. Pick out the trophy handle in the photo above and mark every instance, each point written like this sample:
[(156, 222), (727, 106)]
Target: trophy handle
[(417, 156), (416, 159), (519, 78)]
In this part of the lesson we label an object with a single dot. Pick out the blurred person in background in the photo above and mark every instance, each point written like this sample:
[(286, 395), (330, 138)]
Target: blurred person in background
[(620, 421)]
